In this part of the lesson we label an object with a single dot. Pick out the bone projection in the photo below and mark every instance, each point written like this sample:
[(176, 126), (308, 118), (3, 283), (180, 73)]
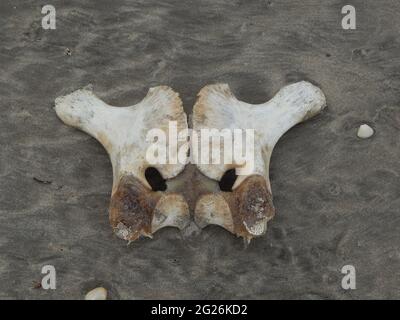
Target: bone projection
[(138, 210)]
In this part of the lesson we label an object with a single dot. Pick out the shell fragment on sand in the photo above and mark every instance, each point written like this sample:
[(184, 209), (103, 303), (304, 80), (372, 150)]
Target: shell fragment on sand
[(99, 293), (365, 131)]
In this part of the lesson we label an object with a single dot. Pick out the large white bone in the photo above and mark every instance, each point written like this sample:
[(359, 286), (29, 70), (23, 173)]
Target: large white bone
[(135, 209), (246, 210)]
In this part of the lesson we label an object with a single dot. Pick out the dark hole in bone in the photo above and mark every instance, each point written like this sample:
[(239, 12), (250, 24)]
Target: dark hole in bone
[(155, 180), (227, 180)]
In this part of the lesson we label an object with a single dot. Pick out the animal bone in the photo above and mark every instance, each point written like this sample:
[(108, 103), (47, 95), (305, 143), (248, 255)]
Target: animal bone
[(246, 210), (135, 208)]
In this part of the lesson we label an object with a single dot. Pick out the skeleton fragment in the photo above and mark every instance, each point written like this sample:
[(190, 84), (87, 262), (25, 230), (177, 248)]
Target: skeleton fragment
[(246, 210), (135, 208), (138, 210)]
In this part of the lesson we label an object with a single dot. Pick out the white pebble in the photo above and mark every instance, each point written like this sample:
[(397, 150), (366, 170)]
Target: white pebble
[(97, 294), (365, 131)]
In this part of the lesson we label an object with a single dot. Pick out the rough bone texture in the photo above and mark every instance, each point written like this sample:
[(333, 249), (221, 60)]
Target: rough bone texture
[(249, 207), (123, 133)]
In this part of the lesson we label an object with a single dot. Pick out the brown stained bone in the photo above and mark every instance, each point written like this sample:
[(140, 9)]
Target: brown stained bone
[(251, 207), (131, 209), (135, 209), (138, 211), (245, 211)]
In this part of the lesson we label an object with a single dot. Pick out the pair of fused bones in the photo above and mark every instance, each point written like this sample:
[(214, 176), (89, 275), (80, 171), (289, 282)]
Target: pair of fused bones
[(193, 191)]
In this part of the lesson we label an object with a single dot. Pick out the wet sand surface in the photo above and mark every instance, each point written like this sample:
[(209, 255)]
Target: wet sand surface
[(337, 197)]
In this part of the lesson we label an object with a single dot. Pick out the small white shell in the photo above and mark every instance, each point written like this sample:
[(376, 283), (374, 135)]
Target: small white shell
[(365, 131), (97, 294)]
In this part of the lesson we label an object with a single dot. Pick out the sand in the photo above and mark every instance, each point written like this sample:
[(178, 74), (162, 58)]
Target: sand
[(337, 196)]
